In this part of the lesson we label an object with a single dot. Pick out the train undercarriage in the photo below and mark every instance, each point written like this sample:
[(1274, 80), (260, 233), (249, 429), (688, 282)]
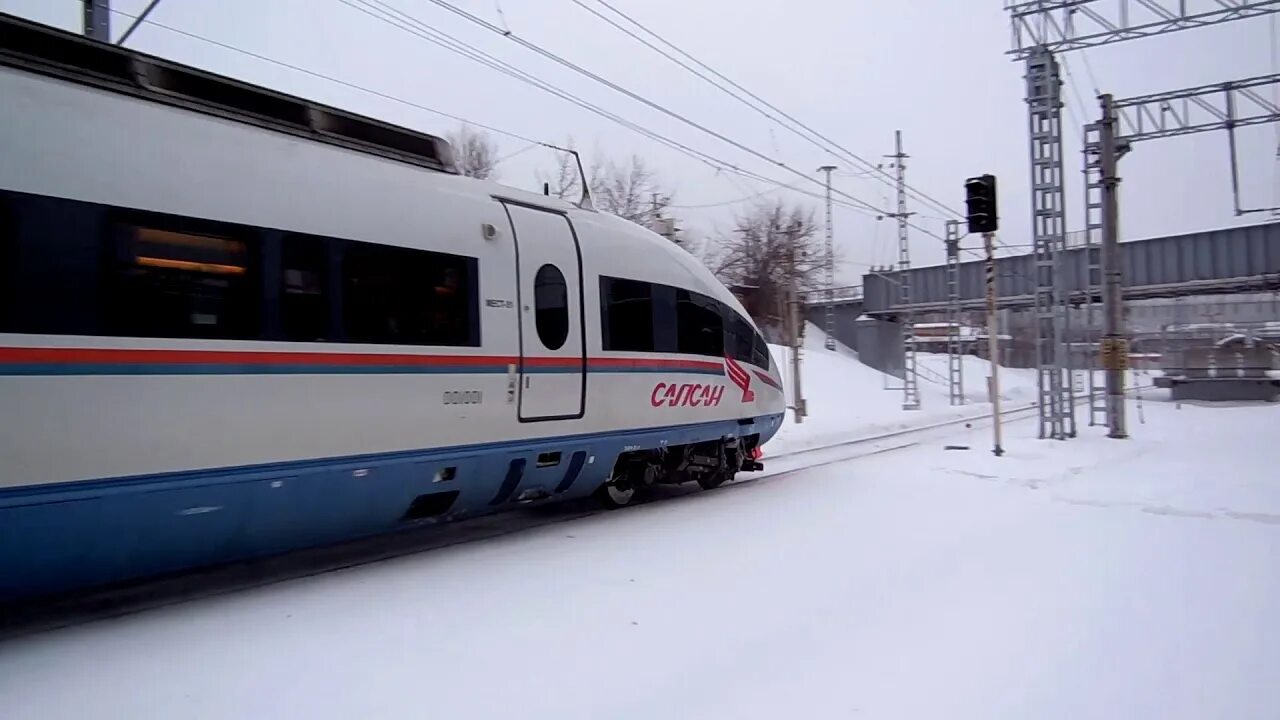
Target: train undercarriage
[(710, 464)]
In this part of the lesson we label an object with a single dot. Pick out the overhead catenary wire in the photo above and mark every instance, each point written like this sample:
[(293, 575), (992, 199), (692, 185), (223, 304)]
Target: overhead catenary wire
[(874, 168), (407, 23), (735, 201), (652, 104), (142, 16)]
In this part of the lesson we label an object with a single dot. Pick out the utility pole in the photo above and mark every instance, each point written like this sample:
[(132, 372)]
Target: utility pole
[(829, 268), (666, 227), (993, 339), (1115, 350), (793, 314), (910, 390), (97, 19)]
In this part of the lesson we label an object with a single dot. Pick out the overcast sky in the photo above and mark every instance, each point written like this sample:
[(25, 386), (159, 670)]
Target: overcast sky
[(855, 70)]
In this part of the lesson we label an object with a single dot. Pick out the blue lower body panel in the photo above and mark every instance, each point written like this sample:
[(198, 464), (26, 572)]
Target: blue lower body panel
[(56, 538)]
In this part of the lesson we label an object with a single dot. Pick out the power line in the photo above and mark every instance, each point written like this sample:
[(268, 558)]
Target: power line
[(138, 21), (521, 151), (849, 154), (407, 23), (1079, 121), (403, 21), (637, 97), (734, 201), (693, 70)]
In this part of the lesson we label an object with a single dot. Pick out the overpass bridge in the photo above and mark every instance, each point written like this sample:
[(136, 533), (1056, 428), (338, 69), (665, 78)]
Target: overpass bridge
[(1232, 261), (1215, 262)]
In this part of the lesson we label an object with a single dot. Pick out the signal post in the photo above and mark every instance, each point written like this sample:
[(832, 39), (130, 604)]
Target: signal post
[(980, 207)]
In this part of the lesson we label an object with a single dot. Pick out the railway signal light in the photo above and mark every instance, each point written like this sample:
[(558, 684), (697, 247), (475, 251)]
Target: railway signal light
[(980, 204)]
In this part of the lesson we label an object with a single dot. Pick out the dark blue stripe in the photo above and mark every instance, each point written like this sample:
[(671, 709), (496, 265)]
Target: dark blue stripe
[(573, 471), (515, 471)]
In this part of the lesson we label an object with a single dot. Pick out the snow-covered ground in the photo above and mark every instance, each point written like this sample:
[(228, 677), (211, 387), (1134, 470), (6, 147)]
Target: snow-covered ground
[(1092, 578), (847, 399)]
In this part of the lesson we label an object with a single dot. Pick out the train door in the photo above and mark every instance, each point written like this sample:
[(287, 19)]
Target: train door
[(553, 379)]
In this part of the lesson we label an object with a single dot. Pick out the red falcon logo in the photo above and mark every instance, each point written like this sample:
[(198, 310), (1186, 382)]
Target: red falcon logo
[(739, 378)]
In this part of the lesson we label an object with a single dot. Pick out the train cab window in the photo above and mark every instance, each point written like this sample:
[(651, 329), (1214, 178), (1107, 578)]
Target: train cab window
[(304, 296), (738, 336), (551, 306), (401, 296), (760, 351), (699, 325), (626, 307), (167, 283)]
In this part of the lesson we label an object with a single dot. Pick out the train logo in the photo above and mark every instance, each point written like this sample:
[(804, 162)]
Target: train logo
[(702, 394), (740, 378)]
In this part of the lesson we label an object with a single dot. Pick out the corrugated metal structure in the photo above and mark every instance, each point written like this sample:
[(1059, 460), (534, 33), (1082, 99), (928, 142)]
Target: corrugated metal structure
[(1239, 259)]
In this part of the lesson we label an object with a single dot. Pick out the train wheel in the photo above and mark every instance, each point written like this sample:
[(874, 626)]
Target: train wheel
[(614, 495)]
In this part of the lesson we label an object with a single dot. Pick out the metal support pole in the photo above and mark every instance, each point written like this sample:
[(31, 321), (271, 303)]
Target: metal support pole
[(993, 340), (955, 346), (829, 269), (794, 315), (910, 387), (1115, 351), (97, 19)]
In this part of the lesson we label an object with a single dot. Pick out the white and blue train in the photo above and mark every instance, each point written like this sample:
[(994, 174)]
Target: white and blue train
[(234, 322)]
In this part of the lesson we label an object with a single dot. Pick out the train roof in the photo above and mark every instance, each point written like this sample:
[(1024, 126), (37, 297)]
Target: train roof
[(45, 50)]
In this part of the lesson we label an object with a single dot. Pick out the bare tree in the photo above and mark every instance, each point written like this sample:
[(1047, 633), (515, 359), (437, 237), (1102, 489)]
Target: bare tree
[(771, 246), (475, 153), (628, 189)]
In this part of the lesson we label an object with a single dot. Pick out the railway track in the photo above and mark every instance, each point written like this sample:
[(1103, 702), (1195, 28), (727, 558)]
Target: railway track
[(46, 614)]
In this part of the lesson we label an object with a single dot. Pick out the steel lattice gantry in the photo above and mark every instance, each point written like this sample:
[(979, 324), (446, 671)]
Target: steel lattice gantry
[(1041, 28), (1093, 222), (1062, 25), (955, 346), (1053, 377)]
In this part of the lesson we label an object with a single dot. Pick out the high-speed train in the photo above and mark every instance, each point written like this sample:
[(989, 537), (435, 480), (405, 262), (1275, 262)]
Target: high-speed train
[(234, 322)]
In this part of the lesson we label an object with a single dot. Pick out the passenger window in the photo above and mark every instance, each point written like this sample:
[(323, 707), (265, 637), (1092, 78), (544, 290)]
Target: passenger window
[(400, 296), (551, 306), (627, 308), (304, 291), (699, 325), (168, 283)]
